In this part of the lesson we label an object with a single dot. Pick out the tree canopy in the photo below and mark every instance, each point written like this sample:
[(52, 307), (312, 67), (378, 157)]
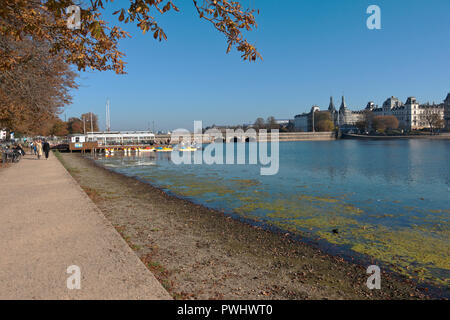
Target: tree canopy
[(37, 50), (33, 92), (381, 123), (271, 123), (259, 124), (88, 117), (95, 44), (323, 122)]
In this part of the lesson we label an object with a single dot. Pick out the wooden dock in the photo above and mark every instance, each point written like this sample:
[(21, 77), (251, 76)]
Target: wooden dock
[(94, 147)]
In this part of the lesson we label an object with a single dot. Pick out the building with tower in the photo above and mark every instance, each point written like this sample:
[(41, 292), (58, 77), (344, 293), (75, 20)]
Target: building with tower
[(411, 115), (447, 112), (344, 118)]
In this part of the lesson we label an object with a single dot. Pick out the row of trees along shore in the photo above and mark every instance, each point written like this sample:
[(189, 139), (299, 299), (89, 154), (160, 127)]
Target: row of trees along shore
[(39, 53)]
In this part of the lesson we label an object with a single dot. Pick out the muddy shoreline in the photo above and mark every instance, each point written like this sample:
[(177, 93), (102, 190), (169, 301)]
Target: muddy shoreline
[(200, 253)]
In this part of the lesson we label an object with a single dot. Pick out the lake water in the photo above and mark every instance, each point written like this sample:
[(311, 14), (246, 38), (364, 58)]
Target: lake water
[(389, 200)]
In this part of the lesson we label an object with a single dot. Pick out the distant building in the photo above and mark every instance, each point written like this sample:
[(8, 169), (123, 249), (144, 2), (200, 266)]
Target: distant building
[(427, 109), (114, 137), (285, 124), (282, 122), (411, 115), (447, 112), (77, 138), (394, 107), (304, 122), (344, 118)]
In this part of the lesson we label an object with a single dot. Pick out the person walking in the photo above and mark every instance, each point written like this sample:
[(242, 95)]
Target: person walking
[(46, 148), (19, 149), (39, 149)]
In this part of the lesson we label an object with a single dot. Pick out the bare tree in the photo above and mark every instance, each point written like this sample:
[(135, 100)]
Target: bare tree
[(434, 119), (260, 124), (91, 120), (272, 123)]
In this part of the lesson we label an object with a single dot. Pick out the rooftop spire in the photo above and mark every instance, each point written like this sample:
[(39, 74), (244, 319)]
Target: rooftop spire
[(331, 108), (343, 104)]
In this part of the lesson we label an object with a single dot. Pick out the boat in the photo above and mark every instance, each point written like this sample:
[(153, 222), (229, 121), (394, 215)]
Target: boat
[(187, 148), (163, 149), (109, 151), (146, 149)]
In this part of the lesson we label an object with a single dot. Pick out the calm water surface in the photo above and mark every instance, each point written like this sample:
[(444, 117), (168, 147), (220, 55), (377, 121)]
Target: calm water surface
[(389, 200)]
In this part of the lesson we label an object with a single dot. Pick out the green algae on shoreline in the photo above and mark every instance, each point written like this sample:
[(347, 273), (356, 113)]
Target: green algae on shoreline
[(410, 251), (199, 253)]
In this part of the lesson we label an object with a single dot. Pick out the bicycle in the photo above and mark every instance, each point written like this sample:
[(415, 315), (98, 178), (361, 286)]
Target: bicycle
[(11, 155)]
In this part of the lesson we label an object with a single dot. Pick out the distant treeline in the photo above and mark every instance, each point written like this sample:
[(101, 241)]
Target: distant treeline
[(75, 125)]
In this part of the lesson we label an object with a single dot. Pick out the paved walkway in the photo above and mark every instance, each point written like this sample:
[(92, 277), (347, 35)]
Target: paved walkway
[(47, 223)]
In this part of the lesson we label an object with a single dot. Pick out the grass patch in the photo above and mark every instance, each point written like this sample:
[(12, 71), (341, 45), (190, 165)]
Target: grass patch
[(58, 155), (71, 170), (92, 193), (161, 274)]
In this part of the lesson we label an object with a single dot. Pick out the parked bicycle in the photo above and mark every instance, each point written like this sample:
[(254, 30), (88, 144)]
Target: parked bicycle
[(11, 155)]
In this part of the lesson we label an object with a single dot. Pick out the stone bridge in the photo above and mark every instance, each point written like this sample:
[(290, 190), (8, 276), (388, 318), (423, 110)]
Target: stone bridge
[(249, 137)]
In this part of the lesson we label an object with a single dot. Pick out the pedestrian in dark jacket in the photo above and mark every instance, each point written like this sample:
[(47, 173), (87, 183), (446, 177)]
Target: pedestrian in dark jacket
[(46, 148), (19, 149)]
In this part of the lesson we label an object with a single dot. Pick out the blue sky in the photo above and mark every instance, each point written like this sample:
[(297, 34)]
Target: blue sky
[(312, 49)]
